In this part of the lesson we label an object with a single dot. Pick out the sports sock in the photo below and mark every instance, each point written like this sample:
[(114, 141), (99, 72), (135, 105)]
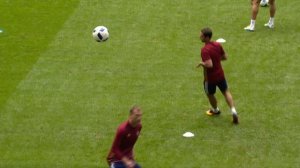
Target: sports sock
[(271, 20), (252, 23), (216, 109), (233, 111)]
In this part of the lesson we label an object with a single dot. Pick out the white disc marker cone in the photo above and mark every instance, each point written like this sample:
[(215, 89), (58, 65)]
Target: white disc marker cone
[(221, 40), (188, 135)]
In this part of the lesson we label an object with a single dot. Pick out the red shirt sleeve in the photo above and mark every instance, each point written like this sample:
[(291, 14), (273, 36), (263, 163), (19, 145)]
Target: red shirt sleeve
[(205, 55), (119, 135)]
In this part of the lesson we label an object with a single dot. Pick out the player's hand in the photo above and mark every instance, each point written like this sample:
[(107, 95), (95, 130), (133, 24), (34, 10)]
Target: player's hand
[(129, 164), (199, 65)]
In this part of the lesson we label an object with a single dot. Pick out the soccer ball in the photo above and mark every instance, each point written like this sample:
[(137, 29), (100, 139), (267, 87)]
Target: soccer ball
[(264, 3), (100, 33)]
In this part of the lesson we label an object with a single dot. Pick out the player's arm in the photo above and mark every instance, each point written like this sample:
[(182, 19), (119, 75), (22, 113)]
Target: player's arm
[(206, 60), (224, 57), (223, 54), (206, 64)]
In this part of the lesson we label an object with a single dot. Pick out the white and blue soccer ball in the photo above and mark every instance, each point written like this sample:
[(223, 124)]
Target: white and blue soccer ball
[(100, 34), (264, 3)]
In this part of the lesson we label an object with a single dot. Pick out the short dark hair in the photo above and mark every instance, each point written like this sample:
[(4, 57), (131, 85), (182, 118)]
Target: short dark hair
[(133, 108), (207, 32)]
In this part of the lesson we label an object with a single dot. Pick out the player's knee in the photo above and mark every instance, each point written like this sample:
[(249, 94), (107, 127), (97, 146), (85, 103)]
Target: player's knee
[(255, 3), (209, 95), (272, 2), (210, 92), (225, 91)]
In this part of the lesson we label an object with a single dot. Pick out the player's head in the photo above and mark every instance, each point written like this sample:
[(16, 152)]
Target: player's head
[(205, 34), (135, 115)]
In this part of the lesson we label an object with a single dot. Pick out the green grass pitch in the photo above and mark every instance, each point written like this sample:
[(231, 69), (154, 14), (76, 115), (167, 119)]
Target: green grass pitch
[(62, 95)]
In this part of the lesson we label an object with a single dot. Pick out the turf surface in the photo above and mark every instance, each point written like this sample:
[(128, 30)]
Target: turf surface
[(62, 95)]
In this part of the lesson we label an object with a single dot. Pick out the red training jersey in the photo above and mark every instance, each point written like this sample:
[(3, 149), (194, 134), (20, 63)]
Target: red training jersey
[(123, 144), (213, 51)]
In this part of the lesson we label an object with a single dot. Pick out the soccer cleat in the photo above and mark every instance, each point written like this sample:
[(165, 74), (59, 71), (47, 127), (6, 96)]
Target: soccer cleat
[(269, 25), (211, 112), (249, 28), (235, 119)]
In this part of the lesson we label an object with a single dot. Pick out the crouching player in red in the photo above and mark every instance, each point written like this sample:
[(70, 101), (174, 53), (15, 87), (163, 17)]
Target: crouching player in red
[(212, 54), (121, 153)]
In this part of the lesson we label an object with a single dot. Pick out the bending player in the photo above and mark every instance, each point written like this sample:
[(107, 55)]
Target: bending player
[(212, 54), (121, 153), (255, 7)]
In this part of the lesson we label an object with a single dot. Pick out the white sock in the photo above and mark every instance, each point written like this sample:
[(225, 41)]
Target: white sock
[(252, 23), (233, 111), (216, 109), (271, 20)]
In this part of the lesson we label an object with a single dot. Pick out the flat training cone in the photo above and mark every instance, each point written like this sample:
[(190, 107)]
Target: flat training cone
[(188, 135), (221, 40)]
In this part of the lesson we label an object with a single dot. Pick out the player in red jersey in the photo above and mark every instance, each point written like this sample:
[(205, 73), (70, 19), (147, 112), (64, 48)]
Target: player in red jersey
[(121, 153), (212, 54)]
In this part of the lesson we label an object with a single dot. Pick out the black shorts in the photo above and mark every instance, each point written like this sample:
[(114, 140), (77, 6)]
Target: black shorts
[(210, 88), (122, 165)]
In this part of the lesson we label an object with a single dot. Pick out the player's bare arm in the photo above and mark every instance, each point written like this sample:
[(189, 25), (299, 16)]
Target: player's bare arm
[(206, 64), (224, 57)]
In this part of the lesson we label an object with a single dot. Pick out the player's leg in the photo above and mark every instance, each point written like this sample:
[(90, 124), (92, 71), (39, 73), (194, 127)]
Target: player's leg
[(272, 8), (254, 12), (270, 24), (229, 100), (255, 9), (210, 90)]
